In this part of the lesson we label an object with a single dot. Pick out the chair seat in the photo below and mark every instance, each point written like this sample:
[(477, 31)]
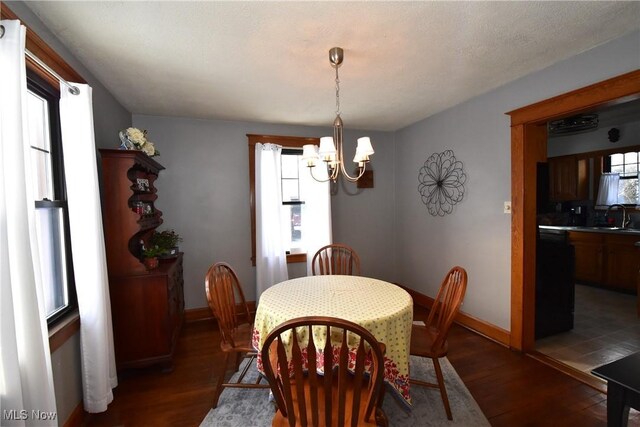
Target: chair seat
[(242, 339), (422, 340), (281, 421)]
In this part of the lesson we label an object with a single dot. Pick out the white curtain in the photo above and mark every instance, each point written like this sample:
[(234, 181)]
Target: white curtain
[(87, 247), (316, 223), (607, 190), (26, 378), (271, 250)]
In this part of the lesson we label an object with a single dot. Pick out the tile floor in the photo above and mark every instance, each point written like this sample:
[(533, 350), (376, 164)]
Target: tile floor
[(606, 328)]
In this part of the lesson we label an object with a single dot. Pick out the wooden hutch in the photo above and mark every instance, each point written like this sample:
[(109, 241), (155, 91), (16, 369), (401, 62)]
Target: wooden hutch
[(147, 306)]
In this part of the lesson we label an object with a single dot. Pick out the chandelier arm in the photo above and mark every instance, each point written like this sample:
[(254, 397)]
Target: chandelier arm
[(342, 161), (333, 172), (314, 177), (351, 178)]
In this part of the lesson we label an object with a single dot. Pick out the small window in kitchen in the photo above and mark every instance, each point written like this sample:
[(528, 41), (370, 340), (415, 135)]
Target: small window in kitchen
[(626, 165)]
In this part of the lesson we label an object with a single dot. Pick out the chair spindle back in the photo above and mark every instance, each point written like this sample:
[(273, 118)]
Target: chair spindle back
[(446, 305), (335, 259), (224, 294), (317, 395)]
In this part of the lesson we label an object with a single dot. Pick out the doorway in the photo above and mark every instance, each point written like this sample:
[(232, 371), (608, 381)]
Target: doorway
[(585, 312), (528, 146)]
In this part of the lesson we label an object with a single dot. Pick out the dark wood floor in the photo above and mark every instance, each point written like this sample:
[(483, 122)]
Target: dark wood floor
[(512, 389)]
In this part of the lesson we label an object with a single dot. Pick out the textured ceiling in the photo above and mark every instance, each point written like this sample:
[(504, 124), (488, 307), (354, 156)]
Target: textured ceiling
[(268, 61)]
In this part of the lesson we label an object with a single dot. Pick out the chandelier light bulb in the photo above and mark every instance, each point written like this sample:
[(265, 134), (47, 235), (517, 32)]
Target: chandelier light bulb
[(310, 155), (327, 148)]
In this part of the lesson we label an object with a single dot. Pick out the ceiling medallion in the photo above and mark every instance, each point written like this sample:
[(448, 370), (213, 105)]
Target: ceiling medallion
[(441, 183)]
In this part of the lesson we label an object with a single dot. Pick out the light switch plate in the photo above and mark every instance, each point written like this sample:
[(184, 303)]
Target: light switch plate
[(507, 207)]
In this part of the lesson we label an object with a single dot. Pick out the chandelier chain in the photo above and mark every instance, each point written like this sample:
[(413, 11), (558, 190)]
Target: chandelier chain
[(337, 93)]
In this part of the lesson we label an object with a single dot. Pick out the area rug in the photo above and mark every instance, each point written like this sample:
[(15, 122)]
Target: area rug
[(252, 408)]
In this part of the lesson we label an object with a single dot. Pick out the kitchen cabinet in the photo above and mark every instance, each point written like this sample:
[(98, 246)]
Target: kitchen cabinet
[(623, 262), (568, 178), (607, 259), (589, 249)]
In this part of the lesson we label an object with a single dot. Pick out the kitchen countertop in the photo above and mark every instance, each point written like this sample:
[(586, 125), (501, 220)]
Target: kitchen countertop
[(610, 230)]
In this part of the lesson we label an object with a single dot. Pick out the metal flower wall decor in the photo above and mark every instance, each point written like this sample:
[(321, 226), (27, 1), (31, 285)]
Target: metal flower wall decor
[(441, 182)]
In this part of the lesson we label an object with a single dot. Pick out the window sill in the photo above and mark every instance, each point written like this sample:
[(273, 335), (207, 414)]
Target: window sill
[(292, 258), (63, 330)]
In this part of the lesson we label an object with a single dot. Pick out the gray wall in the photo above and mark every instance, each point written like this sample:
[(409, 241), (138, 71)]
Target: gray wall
[(109, 117), (478, 235), (67, 377), (204, 196), (595, 140)]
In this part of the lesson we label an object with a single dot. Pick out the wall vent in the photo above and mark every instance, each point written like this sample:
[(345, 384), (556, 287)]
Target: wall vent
[(575, 124)]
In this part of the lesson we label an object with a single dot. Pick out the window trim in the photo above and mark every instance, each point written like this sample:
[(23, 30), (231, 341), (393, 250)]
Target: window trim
[(284, 141)]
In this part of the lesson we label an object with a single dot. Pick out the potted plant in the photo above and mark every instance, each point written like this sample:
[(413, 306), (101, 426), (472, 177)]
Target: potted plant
[(167, 241), (151, 257)]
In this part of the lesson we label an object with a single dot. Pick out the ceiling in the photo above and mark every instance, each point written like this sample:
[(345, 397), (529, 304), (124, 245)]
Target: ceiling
[(269, 62)]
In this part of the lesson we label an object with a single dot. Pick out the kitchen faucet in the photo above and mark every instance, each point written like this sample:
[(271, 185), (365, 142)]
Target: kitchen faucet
[(625, 220)]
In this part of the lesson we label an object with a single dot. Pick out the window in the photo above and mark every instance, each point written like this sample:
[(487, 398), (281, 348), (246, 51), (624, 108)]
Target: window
[(49, 197), (290, 189), (626, 164), (291, 198)]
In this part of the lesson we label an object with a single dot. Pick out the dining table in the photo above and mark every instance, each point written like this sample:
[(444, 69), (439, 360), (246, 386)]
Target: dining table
[(383, 308)]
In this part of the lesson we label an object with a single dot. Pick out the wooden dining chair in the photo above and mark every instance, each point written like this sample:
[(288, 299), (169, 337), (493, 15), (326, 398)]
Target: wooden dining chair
[(430, 340), (226, 301), (335, 259), (345, 395)]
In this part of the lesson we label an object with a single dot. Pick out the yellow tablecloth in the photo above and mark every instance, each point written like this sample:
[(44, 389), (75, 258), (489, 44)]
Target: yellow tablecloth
[(383, 308)]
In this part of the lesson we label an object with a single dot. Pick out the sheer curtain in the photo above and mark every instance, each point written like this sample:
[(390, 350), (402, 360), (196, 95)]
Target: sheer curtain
[(271, 250), (607, 190), (26, 378), (87, 247), (316, 224)]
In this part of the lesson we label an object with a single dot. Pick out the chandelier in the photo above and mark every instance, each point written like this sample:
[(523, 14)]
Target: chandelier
[(330, 150)]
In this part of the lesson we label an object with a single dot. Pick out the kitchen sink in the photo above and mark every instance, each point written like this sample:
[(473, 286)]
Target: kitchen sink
[(551, 228), (619, 229)]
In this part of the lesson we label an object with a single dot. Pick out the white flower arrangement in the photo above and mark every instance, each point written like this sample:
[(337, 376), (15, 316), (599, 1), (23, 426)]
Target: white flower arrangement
[(136, 139)]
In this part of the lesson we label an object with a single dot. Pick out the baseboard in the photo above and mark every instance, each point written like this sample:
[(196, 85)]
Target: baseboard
[(204, 313), (197, 314), (77, 417), (493, 332)]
